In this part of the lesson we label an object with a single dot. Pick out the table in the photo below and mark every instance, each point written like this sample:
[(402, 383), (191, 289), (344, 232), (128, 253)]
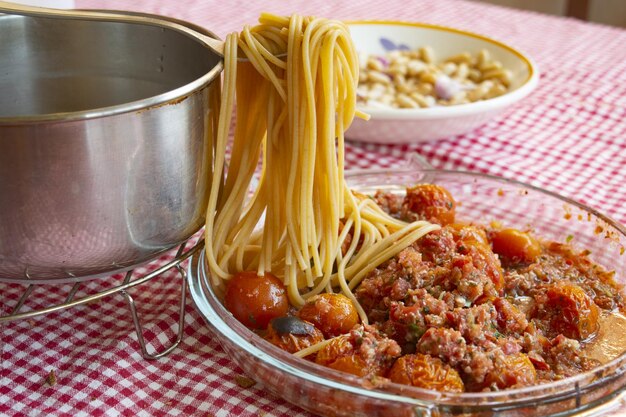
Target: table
[(569, 136)]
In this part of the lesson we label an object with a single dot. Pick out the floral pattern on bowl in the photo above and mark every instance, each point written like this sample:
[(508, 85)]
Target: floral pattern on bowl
[(389, 45)]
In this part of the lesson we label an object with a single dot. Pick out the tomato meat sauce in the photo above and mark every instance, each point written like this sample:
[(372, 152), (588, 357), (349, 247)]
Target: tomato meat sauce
[(466, 308)]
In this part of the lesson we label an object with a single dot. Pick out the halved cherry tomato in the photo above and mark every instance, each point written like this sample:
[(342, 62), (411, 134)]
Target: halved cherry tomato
[(515, 370), (342, 355), (255, 300), (363, 351), (514, 245), (292, 334), (430, 202), (427, 372), (333, 314), (571, 312)]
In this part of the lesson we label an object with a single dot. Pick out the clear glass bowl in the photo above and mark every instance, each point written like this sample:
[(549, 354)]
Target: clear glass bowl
[(483, 198)]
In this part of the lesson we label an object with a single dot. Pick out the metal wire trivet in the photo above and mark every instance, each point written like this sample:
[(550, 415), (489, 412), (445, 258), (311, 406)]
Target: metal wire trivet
[(131, 279)]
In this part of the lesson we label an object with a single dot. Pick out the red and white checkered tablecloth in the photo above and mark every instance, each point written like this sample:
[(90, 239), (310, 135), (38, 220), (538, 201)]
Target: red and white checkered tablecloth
[(569, 136)]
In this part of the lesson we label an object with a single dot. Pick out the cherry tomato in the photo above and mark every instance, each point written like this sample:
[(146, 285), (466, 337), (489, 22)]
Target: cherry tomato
[(333, 314), (352, 364), (341, 354), (255, 300), (430, 202), (425, 371), (292, 334), (361, 352), (514, 245), (470, 234), (571, 312), (338, 347), (514, 370)]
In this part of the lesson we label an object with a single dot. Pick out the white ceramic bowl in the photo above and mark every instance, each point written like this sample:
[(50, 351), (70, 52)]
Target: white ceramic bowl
[(417, 125)]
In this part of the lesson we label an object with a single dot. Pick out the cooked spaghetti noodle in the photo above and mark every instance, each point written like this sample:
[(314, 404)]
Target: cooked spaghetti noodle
[(296, 96)]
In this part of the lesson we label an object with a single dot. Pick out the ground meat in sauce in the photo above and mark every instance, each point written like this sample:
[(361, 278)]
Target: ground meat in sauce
[(501, 321), (482, 308)]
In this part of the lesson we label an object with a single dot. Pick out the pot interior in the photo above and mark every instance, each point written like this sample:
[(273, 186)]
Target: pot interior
[(50, 66)]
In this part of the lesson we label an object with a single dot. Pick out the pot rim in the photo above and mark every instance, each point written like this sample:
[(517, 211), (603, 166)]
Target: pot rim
[(174, 96)]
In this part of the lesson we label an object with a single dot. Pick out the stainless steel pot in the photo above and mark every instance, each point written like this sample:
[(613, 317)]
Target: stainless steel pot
[(105, 144)]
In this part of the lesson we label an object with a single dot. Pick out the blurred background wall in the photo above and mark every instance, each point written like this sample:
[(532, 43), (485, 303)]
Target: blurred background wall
[(609, 12)]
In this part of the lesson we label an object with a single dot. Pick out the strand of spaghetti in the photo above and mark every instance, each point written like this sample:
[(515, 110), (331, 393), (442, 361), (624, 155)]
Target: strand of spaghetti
[(279, 125), (263, 46), (267, 28), (369, 236), (299, 248), (226, 110), (342, 265), (276, 211), (328, 157), (308, 192), (383, 223), (268, 247), (264, 42), (235, 190), (349, 58), (257, 61), (348, 81), (343, 235), (232, 207), (390, 252), (275, 30), (356, 235), (374, 213), (354, 218), (252, 49), (340, 165), (256, 58), (240, 233), (292, 290), (232, 211), (242, 230), (272, 160), (272, 219), (310, 232), (372, 228), (310, 137), (345, 288), (314, 31), (244, 155), (271, 19), (362, 115), (314, 348), (367, 255), (278, 256), (281, 170)]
